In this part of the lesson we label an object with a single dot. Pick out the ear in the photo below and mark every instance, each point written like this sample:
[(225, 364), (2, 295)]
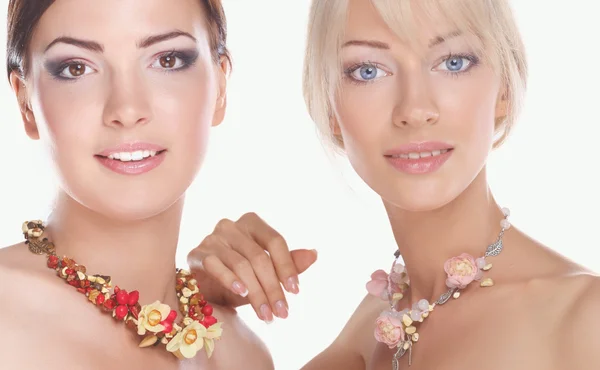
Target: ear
[(336, 130), (502, 105), (221, 105), (20, 90)]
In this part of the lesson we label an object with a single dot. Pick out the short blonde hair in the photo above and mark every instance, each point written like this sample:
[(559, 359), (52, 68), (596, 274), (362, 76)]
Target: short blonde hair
[(492, 21)]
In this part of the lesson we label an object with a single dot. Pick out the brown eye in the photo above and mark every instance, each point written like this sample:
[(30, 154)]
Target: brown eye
[(167, 61), (77, 69)]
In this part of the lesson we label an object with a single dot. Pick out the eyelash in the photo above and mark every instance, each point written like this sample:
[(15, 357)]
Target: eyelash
[(353, 68), (188, 58), (473, 60)]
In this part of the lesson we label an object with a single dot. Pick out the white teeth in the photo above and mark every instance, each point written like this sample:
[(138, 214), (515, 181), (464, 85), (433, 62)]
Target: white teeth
[(138, 155), (414, 155)]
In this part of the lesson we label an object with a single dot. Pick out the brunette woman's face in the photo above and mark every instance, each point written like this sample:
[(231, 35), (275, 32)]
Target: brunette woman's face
[(124, 93)]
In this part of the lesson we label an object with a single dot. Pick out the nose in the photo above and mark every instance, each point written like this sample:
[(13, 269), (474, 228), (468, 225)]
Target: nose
[(127, 104), (416, 105)]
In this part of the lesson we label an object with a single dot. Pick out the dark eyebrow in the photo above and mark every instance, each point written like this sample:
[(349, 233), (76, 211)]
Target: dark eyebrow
[(370, 43), (151, 40), (441, 39), (98, 48), (86, 44)]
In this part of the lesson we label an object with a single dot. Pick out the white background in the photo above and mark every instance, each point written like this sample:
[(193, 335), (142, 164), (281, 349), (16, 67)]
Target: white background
[(266, 158)]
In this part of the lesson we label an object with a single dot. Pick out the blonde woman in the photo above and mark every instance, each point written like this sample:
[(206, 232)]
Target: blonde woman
[(417, 94)]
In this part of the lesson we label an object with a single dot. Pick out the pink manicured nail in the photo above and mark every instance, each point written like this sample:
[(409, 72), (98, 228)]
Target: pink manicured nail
[(266, 313), (281, 309), (292, 285), (240, 289)]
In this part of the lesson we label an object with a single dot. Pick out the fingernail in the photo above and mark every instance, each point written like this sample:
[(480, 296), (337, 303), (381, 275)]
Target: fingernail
[(315, 252), (292, 285), (240, 289), (265, 312), (281, 309)]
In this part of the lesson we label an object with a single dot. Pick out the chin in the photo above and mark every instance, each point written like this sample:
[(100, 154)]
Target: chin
[(128, 206), (422, 196)]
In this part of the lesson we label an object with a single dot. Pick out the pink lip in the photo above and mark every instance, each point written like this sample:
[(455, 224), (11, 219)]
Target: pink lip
[(419, 165), (132, 167), (131, 147)]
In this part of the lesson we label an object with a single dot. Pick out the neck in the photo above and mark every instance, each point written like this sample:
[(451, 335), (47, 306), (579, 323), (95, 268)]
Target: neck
[(427, 239), (137, 255)]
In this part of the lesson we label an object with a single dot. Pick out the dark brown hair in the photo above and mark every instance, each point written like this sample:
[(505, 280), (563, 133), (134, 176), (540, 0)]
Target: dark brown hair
[(24, 15)]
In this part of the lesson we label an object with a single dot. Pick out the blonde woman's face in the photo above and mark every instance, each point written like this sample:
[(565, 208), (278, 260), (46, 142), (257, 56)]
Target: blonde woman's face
[(417, 123), (124, 94)]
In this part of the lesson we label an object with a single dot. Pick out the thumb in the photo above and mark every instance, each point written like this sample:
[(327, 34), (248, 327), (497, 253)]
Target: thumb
[(303, 258)]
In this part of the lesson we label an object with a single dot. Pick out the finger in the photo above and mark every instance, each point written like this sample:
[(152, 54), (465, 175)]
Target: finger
[(220, 273), (243, 268), (261, 265), (209, 273), (303, 258), (277, 247)]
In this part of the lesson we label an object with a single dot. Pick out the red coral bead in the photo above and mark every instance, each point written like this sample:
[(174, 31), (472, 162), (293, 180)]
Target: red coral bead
[(121, 311), (207, 310), (100, 299), (53, 262), (123, 297), (74, 283), (210, 320), (135, 311), (117, 289), (168, 326), (134, 297), (204, 323), (172, 316), (109, 304), (69, 271), (81, 290), (202, 303)]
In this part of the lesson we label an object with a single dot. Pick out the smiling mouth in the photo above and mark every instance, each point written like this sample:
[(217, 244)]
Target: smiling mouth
[(419, 155), (135, 156)]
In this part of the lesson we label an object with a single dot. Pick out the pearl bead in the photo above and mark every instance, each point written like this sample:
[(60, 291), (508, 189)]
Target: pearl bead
[(480, 262), (415, 315), (423, 305), (505, 224), (506, 211)]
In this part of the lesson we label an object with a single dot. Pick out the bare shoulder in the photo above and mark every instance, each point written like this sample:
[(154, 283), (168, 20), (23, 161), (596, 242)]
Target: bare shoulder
[(352, 349), (580, 327), (250, 351)]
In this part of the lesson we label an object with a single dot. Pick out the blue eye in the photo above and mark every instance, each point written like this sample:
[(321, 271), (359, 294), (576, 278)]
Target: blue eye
[(458, 63), (455, 64), (365, 72)]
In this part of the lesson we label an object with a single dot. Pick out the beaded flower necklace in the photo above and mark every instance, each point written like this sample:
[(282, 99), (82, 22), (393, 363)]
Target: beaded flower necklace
[(155, 322), (398, 328)]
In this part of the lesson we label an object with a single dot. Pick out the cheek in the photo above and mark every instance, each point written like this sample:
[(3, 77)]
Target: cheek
[(69, 118), (364, 115)]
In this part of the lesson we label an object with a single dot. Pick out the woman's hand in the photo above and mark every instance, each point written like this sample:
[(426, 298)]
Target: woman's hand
[(252, 261)]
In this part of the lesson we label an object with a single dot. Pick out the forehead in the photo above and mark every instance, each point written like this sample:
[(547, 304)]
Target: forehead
[(419, 23), (118, 20)]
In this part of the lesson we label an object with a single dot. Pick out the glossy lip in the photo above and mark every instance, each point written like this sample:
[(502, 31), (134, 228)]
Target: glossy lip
[(132, 167), (423, 165)]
